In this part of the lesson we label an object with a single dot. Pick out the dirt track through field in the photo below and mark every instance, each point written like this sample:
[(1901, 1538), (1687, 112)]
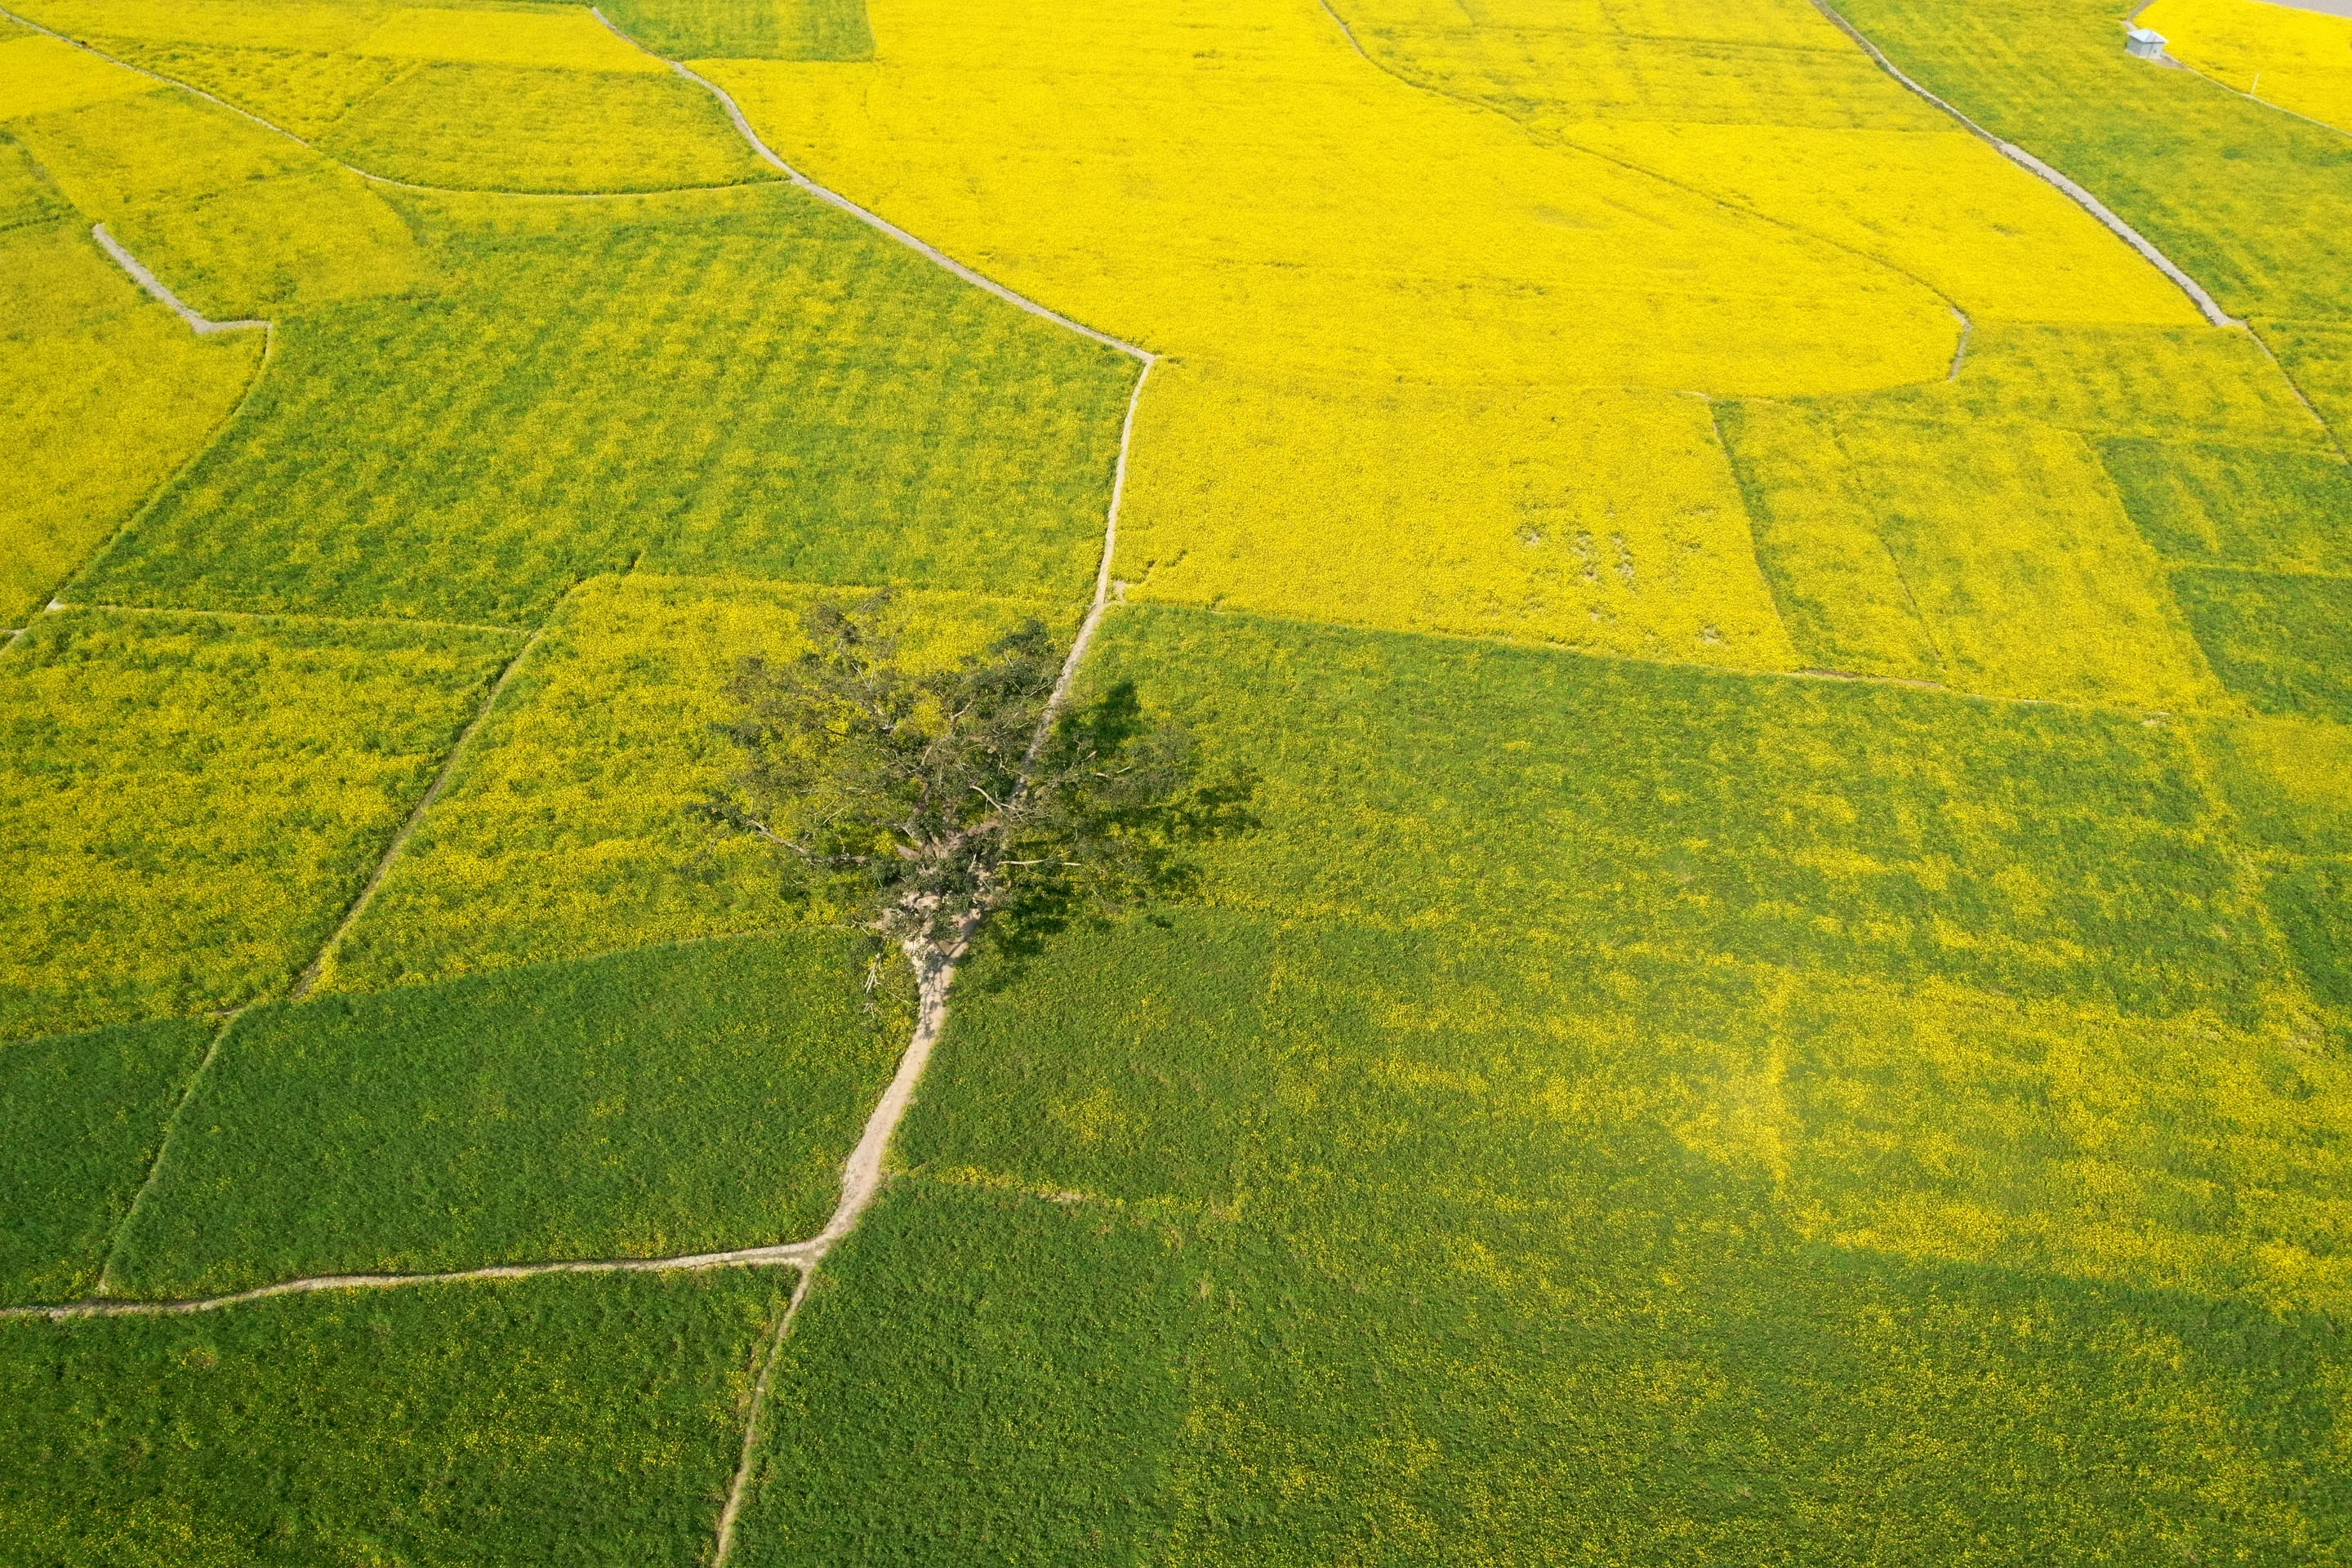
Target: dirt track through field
[(2205, 302), (865, 1171), (197, 322)]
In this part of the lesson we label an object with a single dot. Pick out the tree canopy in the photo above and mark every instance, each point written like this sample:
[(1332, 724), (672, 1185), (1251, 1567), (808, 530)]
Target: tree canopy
[(924, 801)]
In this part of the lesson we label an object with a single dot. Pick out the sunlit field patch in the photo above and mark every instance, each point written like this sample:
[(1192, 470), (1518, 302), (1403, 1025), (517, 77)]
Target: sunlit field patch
[(2297, 59), (104, 394), (1388, 315), (542, 99), (515, 127), (563, 832), (781, 29), (743, 382), (672, 1101), (441, 1423), (188, 802), (2252, 203), (1602, 521), (235, 220)]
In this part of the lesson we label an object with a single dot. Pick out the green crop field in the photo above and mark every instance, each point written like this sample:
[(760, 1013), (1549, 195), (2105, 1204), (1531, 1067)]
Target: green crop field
[(704, 383), (84, 1114), (563, 831), (643, 1105), (1765, 978), (554, 1420), (195, 799)]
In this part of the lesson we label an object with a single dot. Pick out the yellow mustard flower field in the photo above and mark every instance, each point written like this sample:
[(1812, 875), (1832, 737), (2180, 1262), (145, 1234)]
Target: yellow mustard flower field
[(1772, 584)]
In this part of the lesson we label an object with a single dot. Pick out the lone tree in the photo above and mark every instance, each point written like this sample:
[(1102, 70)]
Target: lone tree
[(923, 802)]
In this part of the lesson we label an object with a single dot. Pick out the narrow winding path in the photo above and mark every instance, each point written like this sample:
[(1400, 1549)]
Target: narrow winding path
[(203, 326), (864, 1172)]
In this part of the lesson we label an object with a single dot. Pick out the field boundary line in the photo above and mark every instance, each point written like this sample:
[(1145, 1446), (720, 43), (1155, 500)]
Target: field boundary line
[(441, 777), (162, 1147), (2334, 437), (2205, 302), (795, 1254), (862, 1174), (198, 322), (871, 219), (1555, 140), (213, 438), (369, 174), (304, 617), (736, 1488)]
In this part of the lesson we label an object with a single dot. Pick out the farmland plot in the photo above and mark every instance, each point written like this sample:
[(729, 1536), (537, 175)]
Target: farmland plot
[(1506, 346), (2018, 530), (189, 802), (671, 1100), (540, 99), (2252, 203), (1395, 1243), (1824, 824), (1611, 1108), (740, 383), (1770, 110), (1447, 1195), (238, 222), (2300, 61), (553, 1420), (89, 365), (1308, 448), (83, 1115), (564, 831), (784, 30)]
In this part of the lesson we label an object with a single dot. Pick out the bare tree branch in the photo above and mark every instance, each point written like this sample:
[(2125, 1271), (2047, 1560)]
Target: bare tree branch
[(926, 801)]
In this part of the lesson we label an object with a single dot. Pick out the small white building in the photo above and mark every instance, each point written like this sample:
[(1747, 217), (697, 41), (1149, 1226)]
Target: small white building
[(2144, 44)]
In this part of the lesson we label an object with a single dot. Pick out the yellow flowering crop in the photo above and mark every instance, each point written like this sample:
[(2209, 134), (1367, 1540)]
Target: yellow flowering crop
[(1599, 519), (1950, 1124), (104, 394), (1746, 105), (1245, 187), (42, 76), (2320, 355), (2009, 566), (1941, 205), (508, 128), (1387, 313), (235, 220), (1402, 332), (563, 834), (2172, 383), (472, 97), (566, 37), (556, 37), (2024, 566), (1838, 587), (304, 93), (2289, 779), (316, 28), (2297, 59), (187, 803)]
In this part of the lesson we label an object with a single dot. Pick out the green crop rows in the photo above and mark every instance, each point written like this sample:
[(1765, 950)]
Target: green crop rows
[(550, 1420), (645, 1105), (83, 1113), (710, 383)]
